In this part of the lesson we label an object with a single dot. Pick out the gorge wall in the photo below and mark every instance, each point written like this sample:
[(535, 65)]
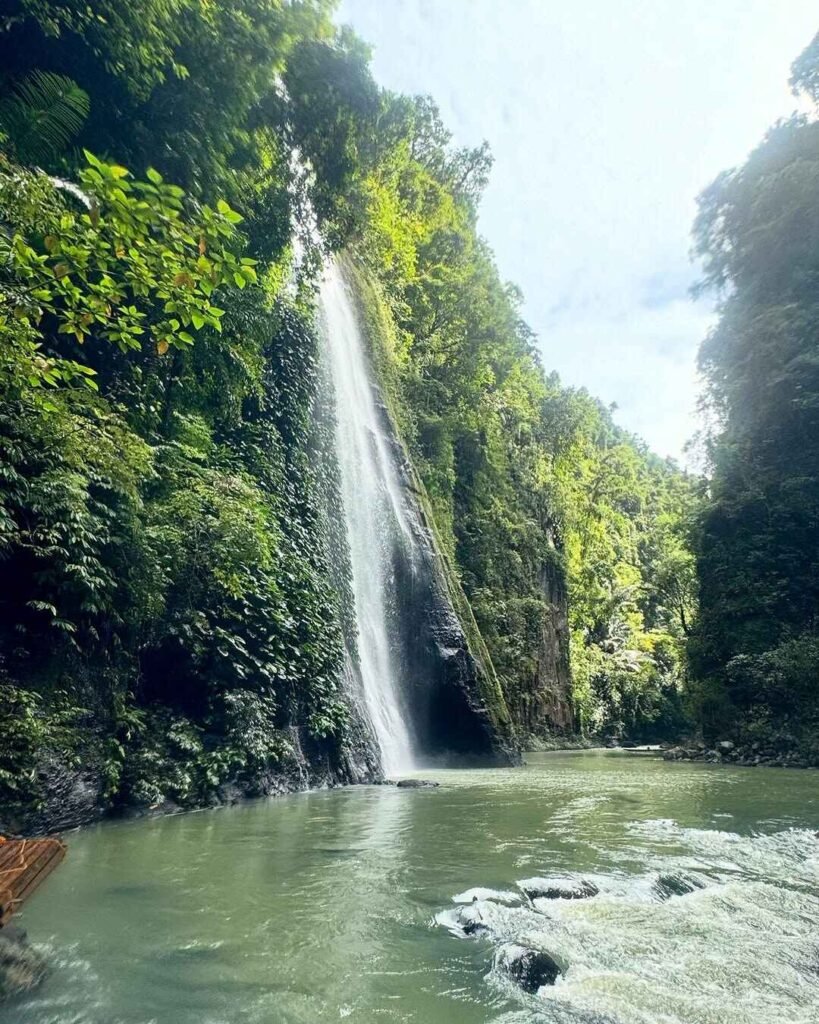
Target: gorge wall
[(177, 623)]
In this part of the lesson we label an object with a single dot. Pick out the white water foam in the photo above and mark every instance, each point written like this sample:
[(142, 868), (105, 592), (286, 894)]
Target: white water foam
[(743, 949)]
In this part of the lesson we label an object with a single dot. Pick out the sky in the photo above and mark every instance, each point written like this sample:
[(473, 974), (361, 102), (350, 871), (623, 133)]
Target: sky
[(606, 118)]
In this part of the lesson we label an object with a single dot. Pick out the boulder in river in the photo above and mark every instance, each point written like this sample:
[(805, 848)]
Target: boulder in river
[(470, 921), (558, 888), (416, 784), (669, 885), (529, 968), (474, 928), (22, 968)]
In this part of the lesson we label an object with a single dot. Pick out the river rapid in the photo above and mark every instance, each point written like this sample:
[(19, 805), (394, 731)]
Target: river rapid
[(347, 905)]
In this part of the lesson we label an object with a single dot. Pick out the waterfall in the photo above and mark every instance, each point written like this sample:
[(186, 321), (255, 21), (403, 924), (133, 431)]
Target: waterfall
[(374, 516)]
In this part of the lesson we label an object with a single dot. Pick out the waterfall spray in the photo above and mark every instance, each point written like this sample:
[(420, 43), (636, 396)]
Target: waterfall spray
[(374, 517)]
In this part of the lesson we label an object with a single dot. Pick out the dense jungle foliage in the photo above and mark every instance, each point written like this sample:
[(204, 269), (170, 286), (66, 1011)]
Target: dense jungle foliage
[(756, 648), (169, 613)]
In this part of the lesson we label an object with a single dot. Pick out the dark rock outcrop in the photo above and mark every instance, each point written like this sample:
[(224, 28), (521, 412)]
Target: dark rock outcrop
[(559, 889), (416, 784), (748, 755), (531, 969), (70, 794), (667, 886)]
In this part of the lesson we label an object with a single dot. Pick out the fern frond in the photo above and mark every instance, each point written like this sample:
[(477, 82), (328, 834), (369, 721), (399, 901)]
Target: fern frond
[(44, 113)]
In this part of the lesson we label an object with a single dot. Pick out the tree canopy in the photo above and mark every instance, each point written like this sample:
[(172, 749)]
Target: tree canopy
[(758, 541)]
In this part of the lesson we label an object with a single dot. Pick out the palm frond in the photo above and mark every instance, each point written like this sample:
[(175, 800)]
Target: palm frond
[(42, 115)]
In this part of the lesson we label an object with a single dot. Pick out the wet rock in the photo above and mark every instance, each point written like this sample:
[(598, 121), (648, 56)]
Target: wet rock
[(501, 896), (417, 784), (475, 928), (559, 889), (724, 746), (470, 921), (529, 968), (230, 793), (69, 795), (22, 968), (667, 886)]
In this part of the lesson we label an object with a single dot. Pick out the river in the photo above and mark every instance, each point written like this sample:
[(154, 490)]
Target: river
[(333, 906)]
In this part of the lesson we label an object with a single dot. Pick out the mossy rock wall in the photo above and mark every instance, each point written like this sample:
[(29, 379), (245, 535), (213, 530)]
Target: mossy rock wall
[(457, 703)]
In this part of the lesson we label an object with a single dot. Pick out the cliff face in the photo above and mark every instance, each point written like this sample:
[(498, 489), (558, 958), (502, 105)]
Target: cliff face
[(455, 702), (550, 705), (496, 715)]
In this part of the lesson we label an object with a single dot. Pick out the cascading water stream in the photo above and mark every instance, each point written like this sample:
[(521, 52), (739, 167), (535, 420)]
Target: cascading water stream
[(374, 518)]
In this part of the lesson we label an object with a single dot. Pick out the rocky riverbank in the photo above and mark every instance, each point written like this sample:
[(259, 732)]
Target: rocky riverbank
[(751, 755)]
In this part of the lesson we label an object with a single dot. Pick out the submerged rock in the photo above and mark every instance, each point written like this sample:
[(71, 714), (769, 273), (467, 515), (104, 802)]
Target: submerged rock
[(667, 886), (470, 921), (503, 897), (558, 888), (474, 928), (417, 784), (22, 968), (529, 968)]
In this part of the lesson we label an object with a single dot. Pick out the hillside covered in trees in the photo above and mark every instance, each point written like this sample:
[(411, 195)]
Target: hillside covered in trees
[(172, 623), (755, 654)]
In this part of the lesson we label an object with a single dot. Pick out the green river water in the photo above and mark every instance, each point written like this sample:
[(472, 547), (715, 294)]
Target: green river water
[(339, 906)]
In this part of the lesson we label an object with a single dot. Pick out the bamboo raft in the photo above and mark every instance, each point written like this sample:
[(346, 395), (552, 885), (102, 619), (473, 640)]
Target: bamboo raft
[(24, 865)]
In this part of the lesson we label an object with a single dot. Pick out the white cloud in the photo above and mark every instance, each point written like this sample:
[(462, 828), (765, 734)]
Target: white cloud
[(641, 360), (606, 119)]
